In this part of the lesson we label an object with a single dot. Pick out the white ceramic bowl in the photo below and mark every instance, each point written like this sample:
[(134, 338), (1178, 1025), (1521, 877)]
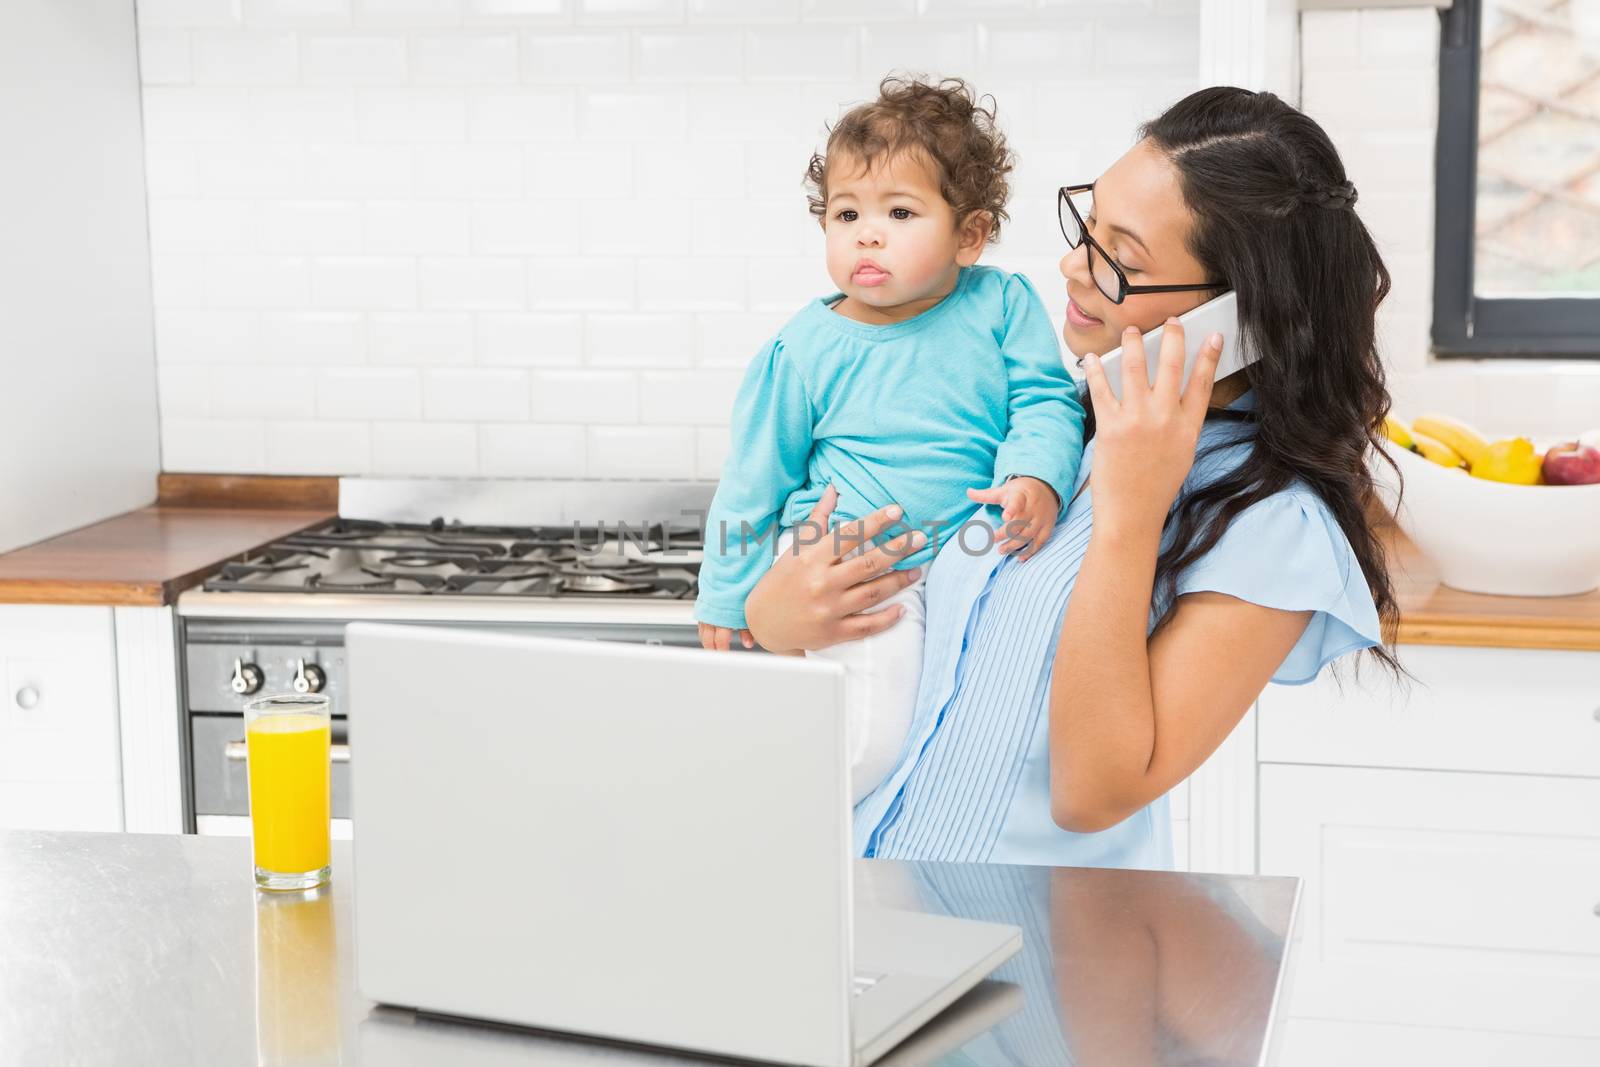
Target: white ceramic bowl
[(1492, 537)]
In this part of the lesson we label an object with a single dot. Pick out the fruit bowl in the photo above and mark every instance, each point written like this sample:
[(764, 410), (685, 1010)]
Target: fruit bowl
[(1493, 537)]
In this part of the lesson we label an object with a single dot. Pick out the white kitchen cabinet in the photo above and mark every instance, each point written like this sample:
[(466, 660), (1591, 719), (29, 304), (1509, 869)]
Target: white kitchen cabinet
[(60, 743), (1448, 831), (1442, 899)]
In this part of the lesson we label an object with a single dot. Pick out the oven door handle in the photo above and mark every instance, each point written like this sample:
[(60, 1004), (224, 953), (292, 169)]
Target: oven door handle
[(236, 751)]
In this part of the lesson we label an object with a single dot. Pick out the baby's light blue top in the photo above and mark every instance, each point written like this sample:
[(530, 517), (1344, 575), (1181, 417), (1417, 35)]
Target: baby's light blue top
[(967, 394), (973, 780)]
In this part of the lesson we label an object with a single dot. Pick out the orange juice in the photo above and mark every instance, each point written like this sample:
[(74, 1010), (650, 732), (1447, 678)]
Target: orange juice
[(289, 791)]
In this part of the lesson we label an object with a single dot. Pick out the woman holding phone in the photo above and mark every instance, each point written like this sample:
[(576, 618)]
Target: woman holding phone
[(1217, 539)]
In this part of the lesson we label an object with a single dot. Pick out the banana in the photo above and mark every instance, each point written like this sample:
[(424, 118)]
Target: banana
[(1462, 439), (1397, 432), (1435, 450)]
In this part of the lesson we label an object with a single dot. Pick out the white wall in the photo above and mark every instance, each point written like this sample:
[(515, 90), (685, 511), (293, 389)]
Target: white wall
[(1371, 77), (78, 437), (541, 237)]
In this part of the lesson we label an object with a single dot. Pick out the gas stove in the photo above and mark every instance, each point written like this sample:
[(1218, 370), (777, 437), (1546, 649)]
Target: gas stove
[(273, 620), (442, 559)]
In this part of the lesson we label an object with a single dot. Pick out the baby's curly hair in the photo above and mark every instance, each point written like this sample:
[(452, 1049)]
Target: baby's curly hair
[(945, 122)]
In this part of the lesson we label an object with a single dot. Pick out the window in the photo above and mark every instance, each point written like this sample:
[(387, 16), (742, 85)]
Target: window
[(1517, 243)]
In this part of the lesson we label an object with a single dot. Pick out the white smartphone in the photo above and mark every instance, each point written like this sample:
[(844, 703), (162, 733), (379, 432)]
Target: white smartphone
[(1214, 316)]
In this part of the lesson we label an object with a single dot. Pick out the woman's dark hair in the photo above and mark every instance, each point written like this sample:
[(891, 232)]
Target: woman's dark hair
[(1274, 217)]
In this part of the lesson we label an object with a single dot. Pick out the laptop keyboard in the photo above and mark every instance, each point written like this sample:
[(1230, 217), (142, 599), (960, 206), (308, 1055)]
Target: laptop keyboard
[(860, 983)]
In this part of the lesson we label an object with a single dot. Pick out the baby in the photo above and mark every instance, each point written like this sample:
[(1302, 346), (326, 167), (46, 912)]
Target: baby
[(925, 381)]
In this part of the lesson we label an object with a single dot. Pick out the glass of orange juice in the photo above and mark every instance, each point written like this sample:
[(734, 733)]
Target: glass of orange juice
[(287, 749)]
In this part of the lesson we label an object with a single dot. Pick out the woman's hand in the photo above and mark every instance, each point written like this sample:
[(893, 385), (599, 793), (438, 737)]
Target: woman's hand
[(1145, 442), (812, 595)]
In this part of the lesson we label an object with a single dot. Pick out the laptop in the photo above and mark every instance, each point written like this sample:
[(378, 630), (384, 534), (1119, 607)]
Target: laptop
[(637, 843)]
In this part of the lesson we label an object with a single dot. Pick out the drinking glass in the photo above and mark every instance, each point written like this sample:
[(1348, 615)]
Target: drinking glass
[(287, 748)]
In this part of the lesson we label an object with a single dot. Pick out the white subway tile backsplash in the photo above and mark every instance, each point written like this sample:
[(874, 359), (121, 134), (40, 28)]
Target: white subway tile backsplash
[(177, 282), (634, 114), (1329, 40), (714, 11), (178, 226), (711, 444), (189, 14), (469, 172), (165, 57), (522, 115), (808, 54), (753, 227), (183, 390), (640, 340), (465, 58), (699, 283), (850, 11), (688, 55), (475, 395), (516, 12), (730, 340), (357, 170), (695, 397), (530, 340), (258, 281), (263, 171), (351, 59), (630, 11), (295, 116), (532, 451), (1407, 36), (603, 172), (369, 393), (403, 338), (444, 449), (638, 227), (408, 14), (575, 58), (246, 58), (242, 391), (585, 396), (311, 338), (588, 283), (473, 283), (234, 445), (543, 238), (641, 452), (703, 170), (936, 48), (302, 14), (411, 116), (525, 227), (410, 228), (181, 113), (303, 446), (364, 282), (171, 170)]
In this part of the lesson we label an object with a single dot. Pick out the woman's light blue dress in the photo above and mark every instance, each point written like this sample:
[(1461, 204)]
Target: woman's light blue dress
[(973, 780)]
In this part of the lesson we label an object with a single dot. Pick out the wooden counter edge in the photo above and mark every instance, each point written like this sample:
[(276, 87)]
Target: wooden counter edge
[(289, 492)]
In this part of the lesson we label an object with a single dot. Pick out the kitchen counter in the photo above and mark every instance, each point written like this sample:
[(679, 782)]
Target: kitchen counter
[(1435, 614), (143, 949), (147, 557)]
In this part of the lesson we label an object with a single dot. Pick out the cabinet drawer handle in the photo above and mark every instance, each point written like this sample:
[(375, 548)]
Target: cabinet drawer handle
[(237, 752), (27, 698)]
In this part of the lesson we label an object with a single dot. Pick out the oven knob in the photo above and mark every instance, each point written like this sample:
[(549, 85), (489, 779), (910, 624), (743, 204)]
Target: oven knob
[(308, 677), (246, 678)]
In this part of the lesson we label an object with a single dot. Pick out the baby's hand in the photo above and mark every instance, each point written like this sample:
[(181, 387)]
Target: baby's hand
[(1028, 509), (720, 638)]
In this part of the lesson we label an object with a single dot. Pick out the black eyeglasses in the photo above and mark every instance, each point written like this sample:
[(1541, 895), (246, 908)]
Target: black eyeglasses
[(1108, 276)]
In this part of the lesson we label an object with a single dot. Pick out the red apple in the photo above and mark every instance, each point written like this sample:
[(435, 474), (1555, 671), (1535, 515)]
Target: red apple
[(1572, 464)]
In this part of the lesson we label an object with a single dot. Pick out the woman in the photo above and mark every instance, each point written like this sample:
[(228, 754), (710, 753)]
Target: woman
[(1068, 686)]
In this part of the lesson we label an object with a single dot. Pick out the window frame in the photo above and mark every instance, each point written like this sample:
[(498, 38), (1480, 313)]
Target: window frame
[(1465, 324)]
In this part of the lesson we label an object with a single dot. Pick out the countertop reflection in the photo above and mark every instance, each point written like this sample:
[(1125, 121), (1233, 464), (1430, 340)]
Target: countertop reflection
[(134, 949)]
